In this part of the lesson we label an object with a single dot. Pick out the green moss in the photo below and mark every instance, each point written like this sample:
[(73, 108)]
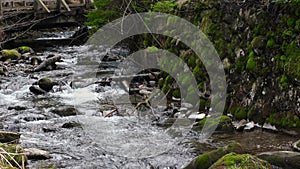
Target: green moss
[(251, 64), (224, 124), (164, 6), (297, 25), (176, 93), (284, 81), (286, 34), (271, 43), (239, 113), (290, 22), (205, 160), (152, 49), (298, 145), (10, 54), (192, 61), (240, 64), (240, 161), (24, 49), (284, 120), (197, 72)]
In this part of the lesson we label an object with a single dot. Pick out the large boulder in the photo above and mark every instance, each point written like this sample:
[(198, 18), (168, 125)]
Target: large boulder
[(240, 161), (284, 159), (205, 160), (10, 54), (12, 156), (6, 137)]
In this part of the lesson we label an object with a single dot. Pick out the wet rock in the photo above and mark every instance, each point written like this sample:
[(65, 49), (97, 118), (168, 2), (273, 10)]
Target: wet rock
[(71, 125), (36, 90), (65, 111), (205, 160), (296, 146), (6, 137), (14, 155), (25, 49), (36, 154), (224, 124), (46, 84), (240, 161), (10, 54), (284, 159), (35, 61), (18, 108)]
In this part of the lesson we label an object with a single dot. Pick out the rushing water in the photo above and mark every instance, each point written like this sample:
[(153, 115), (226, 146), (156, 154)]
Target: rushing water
[(114, 142)]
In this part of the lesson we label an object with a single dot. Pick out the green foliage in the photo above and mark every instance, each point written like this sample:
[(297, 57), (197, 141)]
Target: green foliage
[(286, 34), (271, 43), (239, 113), (106, 11), (176, 93), (284, 120), (165, 6), (251, 63), (284, 81)]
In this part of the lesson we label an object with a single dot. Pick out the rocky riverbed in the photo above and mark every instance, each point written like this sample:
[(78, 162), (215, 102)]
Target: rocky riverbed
[(77, 124)]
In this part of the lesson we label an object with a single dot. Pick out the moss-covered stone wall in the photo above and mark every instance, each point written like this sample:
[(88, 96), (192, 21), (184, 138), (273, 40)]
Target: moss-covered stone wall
[(259, 44)]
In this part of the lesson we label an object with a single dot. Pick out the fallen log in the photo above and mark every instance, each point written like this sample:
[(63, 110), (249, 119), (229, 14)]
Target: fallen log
[(48, 62)]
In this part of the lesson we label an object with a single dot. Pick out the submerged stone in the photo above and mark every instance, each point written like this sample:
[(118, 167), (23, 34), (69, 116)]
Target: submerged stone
[(65, 111)]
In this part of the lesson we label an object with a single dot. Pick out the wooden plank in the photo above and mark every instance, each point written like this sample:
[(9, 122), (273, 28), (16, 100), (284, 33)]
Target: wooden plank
[(43, 5), (66, 5)]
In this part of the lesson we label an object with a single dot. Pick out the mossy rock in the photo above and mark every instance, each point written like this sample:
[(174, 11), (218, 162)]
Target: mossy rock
[(223, 125), (25, 49), (46, 84), (14, 155), (240, 161), (9, 136), (287, 120), (205, 160), (284, 159), (10, 54)]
